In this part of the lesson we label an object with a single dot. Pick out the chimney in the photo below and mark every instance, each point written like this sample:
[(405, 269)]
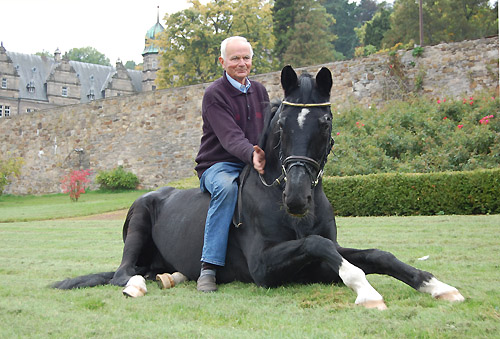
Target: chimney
[(57, 55)]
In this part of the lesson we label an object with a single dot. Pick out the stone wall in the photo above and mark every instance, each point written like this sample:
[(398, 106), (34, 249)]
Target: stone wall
[(156, 134)]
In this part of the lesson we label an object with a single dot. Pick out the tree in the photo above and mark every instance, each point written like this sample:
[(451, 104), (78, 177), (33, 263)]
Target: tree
[(366, 10), (190, 44), (344, 13), (87, 54), (444, 21), (130, 64), (374, 30), (45, 53), (311, 41), (283, 25)]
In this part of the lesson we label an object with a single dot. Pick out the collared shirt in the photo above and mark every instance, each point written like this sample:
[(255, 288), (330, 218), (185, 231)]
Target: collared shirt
[(239, 86)]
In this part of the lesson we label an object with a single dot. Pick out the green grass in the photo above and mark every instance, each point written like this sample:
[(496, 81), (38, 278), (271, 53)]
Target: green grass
[(463, 251), (53, 206)]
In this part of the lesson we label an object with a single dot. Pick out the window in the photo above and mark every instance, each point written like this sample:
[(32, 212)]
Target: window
[(31, 87), (30, 110), (91, 95), (4, 82), (4, 111), (64, 91)]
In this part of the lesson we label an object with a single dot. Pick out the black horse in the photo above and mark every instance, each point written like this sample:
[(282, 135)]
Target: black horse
[(287, 230)]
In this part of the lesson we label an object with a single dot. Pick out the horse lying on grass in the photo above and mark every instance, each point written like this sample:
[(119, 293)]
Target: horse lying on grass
[(287, 233)]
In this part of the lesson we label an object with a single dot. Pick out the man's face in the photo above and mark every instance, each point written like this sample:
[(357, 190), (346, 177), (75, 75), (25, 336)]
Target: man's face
[(238, 62)]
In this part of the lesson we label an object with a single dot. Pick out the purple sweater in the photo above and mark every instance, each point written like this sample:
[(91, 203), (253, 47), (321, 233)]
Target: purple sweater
[(232, 123)]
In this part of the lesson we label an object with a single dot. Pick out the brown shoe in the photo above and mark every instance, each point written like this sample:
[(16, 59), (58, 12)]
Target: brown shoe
[(206, 283)]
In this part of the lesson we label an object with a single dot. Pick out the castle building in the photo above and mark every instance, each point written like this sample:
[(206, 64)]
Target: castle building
[(151, 57), (30, 82)]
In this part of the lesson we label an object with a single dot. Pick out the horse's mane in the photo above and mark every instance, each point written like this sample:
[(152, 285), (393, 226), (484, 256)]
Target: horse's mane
[(273, 107)]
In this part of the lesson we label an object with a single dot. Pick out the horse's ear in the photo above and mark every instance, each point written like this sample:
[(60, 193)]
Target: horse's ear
[(289, 79), (324, 81)]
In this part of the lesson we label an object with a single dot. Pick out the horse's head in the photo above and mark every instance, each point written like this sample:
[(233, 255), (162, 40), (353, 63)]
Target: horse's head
[(305, 125)]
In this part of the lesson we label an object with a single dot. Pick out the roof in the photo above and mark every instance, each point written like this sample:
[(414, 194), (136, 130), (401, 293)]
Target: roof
[(151, 34), (31, 68), (91, 76)]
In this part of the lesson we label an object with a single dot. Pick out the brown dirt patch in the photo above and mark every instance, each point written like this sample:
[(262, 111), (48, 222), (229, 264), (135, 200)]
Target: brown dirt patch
[(115, 215)]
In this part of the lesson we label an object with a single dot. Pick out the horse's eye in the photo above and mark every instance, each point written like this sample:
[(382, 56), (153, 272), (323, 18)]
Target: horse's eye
[(325, 122)]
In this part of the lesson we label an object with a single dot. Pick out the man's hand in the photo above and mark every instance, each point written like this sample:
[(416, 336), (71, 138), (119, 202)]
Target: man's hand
[(259, 159)]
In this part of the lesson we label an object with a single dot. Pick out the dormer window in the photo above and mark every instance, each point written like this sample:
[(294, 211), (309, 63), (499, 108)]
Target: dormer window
[(91, 95), (4, 82), (31, 87), (64, 91)]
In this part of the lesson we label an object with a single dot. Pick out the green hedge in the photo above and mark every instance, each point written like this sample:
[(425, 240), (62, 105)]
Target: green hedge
[(117, 179), (468, 192)]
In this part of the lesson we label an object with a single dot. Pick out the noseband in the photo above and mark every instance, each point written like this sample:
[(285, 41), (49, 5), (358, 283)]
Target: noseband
[(297, 160)]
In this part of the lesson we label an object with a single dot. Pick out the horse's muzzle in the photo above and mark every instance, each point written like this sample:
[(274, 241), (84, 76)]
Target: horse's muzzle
[(297, 195)]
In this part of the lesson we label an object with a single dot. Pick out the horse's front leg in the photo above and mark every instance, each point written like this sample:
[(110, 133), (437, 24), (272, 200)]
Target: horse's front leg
[(128, 274), (381, 262), (279, 263)]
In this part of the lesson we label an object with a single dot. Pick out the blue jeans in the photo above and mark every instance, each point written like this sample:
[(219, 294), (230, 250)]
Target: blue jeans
[(220, 181)]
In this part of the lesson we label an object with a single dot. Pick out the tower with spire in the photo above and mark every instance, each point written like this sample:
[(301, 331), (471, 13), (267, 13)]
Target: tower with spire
[(151, 57)]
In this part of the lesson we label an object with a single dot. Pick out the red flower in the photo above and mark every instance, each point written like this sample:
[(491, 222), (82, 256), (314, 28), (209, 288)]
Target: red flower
[(460, 126), (445, 118)]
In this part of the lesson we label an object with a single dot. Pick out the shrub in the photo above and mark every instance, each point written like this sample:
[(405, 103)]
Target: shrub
[(417, 136), (468, 192), (117, 179), (9, 167), (75, 183)]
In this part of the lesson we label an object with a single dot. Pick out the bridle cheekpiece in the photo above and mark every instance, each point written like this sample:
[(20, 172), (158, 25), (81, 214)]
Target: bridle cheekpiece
[(298, 160)]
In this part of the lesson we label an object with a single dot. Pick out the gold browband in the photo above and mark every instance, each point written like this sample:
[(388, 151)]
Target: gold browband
[(306, 105)]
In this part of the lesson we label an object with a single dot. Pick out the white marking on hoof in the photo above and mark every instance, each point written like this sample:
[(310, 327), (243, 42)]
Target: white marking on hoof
[(440, 290), (302, 117), (355, 278), (378, 304), (136, 287)]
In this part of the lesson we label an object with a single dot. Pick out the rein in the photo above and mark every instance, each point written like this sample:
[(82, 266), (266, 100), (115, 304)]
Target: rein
[(298, 160)]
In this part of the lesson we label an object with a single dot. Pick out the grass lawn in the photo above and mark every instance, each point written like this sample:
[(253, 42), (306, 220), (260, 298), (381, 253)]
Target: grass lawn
[(56, 206), (463, 251)]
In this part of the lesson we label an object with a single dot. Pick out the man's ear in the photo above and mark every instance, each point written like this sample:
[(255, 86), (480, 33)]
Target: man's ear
[(221, 60)]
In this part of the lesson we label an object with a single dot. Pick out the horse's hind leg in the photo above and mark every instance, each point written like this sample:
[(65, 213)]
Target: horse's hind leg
[(381, 262)]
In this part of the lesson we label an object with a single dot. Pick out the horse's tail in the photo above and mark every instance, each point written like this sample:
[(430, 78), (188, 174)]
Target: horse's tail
[(89, 280)]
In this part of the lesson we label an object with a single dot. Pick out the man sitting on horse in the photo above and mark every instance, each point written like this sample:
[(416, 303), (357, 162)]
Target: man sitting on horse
[(233, 116)]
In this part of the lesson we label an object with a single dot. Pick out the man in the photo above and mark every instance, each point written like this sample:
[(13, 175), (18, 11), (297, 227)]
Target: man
[(232, 112)]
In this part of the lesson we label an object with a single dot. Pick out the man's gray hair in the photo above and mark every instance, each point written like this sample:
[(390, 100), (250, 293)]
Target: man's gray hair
[(224, 44)]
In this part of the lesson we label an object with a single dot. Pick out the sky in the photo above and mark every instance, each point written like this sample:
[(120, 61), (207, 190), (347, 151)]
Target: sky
[(115, 28)]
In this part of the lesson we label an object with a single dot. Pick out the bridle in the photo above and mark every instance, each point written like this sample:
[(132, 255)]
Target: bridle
[(297, 160)]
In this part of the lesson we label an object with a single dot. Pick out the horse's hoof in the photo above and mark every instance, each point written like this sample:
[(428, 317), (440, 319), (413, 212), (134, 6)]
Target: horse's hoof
[(451, 296), (371, 304), (136, 287), (165, 281)]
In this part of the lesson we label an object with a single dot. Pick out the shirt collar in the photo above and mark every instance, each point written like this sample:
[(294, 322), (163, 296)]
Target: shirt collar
[(242, 88)]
